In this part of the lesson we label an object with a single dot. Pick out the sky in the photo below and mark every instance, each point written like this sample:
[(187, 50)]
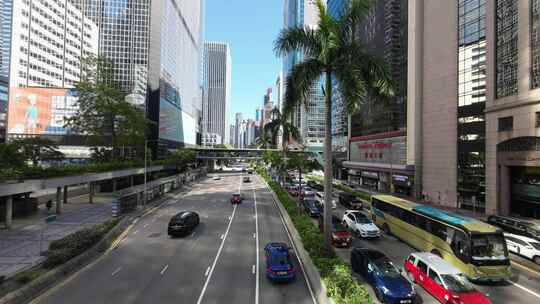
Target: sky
[(250, 27)]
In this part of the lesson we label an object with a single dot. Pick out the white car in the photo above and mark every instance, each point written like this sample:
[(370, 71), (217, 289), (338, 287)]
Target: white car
[(216, 178), (360, 224), (320, 198), (524, 246)]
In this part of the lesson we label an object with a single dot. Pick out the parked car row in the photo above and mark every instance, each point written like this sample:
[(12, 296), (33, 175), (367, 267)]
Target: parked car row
[(516, 226)]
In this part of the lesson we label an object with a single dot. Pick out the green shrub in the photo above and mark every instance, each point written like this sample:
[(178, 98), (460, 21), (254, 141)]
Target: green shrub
[(62, 250), (336, 274), (29, 275)]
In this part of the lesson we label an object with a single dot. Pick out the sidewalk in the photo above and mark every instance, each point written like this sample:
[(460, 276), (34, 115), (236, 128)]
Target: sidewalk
[(20, 247)]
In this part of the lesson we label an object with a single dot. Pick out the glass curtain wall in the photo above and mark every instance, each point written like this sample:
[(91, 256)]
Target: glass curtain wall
[(471, 104), (535, 44), (507, 48)]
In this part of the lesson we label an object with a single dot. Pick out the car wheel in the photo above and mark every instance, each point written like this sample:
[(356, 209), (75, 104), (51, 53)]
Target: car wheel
[(379, 295), (536, 259)]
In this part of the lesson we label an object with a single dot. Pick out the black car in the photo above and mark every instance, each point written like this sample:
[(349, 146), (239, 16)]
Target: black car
[(183, 223), (247, 179), (312, 207), (350, 201), (515, 226)]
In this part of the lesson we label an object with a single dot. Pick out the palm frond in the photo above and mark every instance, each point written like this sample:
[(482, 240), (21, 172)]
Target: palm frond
[(300, 81), (298, 39)]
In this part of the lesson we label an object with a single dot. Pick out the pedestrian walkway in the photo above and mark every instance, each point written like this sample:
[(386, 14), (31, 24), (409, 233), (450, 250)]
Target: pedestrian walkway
[(21, 246)]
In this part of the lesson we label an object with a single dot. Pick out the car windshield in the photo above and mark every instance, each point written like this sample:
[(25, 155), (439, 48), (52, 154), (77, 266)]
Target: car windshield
[(457, 283), (386, 268), (361, 219), (489, 247), (279, 260), (536, 245)]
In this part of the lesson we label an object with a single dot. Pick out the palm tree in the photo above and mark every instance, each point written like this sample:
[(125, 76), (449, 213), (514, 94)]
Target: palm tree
[(281, 124), (264, 140), (332, 50)]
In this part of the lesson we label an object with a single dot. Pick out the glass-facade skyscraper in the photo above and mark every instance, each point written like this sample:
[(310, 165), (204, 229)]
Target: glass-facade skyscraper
[(309, 120), (5, 49)]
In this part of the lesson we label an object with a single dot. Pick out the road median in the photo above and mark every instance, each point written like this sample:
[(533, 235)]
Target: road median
[(330, 278)]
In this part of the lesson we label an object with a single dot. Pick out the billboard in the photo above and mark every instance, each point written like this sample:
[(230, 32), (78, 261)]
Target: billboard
[(392, 150), (40, 111)]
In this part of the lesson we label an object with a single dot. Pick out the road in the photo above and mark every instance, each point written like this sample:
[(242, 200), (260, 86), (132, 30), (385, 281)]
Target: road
[(222, 261), (523, 288)]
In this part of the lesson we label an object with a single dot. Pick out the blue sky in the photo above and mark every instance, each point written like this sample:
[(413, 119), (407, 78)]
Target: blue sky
[(250, 27)]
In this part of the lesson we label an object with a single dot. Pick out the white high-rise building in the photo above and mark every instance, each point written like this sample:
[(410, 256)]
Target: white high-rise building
[(217, 87), (309, 120)]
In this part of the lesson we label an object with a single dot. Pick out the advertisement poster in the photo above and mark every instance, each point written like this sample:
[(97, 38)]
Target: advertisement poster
[(40, 111)]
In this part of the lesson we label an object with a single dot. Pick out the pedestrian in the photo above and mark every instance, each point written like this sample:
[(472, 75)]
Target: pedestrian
[(48, 205)]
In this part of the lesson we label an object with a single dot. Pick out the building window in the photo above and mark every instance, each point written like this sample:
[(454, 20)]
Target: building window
[(506, 123), (506, 48), (535, 44), (537, 121)]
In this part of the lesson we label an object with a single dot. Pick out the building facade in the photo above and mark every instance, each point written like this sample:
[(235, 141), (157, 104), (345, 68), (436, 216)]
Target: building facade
[(217, 85), (6, 7), (377, 135), (310, 119), (239, 129), (175, 96)]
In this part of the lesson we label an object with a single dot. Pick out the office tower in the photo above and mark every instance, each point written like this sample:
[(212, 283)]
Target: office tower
[(280, 82), (217, 84), (238, 132), (268, 106), (173, 80), (5, 43), (45, 64), (309, 120)]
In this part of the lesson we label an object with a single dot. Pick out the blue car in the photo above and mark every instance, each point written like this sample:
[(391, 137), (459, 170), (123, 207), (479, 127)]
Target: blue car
[(279, 267), (387, 282)]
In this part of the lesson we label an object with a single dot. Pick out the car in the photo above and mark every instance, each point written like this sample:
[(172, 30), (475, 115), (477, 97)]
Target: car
[(293, 190), (183, 223), (320, 198), (360, 224), (383, 276), (516, 226), (315, 185), (442, 280), (246, 179), (306, 192), (279, 267), (250, 171), (216, 178), (350, 201), (341, 236), (312, 207), (524, 246), (236, 198)]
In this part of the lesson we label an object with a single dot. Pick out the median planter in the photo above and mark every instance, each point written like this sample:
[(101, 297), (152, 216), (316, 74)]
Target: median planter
[(328, 274)]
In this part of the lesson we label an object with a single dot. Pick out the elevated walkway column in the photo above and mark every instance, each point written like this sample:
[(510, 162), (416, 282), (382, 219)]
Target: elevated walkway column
[(91, 193), (58, 200), (9, 212), (65, 194)]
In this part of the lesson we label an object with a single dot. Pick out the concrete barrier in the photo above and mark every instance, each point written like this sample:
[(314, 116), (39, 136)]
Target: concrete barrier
[(317, 285)]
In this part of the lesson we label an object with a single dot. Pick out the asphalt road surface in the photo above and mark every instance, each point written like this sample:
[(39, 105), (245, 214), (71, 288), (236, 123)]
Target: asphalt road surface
[(524, 287), (222, 261)]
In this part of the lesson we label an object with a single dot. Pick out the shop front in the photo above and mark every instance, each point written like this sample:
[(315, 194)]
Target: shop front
[(402, 184), (370, 180)]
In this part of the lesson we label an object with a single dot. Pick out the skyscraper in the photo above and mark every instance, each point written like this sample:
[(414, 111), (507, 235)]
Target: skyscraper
[(5, 48), (238, 132), (309, 120), (174, 81), (217, 85)]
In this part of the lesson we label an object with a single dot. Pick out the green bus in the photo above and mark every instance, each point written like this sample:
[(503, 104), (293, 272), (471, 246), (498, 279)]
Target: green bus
[(476, 248)]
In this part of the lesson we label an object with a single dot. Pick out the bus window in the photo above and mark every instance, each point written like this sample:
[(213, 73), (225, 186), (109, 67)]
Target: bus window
[(460, 246)]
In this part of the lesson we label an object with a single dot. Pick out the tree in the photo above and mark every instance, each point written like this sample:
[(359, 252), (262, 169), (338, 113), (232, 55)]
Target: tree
[(332, 50), (264, 140), (300, 162), (103, 114), (281, 124), (36, 149), (183, 158), (11, 157)]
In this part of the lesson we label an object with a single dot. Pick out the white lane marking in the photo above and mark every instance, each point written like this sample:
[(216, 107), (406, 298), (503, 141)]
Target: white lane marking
[(209, 271), (221, 237), (256, 269), (525, 289), (164, 269), (116, 271), (254, 235), (253, 271), (193, 234), (294, 247), (135, 232), (145, 225)]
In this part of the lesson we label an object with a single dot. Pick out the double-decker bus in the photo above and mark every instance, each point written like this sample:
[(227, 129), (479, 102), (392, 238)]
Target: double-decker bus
[(476, 248)]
